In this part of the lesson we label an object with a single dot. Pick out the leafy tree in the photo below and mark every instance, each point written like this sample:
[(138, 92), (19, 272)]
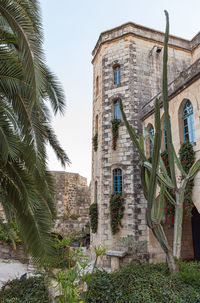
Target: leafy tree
[(27, 87)]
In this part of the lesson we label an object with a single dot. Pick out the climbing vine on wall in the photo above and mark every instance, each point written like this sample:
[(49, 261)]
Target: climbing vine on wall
[(95, 141), (115, 132), (116, 212), (93, 212), (186, 154)]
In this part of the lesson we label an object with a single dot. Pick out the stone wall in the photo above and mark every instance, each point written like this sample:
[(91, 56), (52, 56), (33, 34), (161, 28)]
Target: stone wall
[(138, 51), (7, 252), (73, 200)]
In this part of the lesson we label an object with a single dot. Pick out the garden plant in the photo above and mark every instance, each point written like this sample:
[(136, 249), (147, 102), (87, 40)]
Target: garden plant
[(27, 88)]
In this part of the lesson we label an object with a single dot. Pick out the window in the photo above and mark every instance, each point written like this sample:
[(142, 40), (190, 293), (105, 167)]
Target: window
[(117, 181), (117, 75), (96, 124), (151, 132), (188, 122), (97, 85), (116, 110), (96, 192)]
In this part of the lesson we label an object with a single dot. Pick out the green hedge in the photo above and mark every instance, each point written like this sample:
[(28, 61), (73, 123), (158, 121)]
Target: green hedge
[(31, 290), (148, 283)]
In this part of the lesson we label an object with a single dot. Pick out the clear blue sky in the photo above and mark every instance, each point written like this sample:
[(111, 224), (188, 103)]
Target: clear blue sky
[(71, 29)]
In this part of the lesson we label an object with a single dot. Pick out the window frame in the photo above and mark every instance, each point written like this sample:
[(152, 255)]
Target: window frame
[(116, 110), (117, 181), (188, 122), (117, 74), (151, 131)]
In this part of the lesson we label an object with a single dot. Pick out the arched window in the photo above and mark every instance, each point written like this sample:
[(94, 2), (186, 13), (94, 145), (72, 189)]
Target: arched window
[(97, 85), (117, 75), (96, 124), (117, 181), (96, 192), (188, 122), (151, 132), (116, 110)]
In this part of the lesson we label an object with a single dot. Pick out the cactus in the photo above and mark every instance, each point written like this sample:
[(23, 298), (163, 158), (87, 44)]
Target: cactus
[(154, 175)]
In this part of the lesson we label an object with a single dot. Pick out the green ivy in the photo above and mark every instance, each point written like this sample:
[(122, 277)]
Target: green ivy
[(116, 212), (31, 290), (95, 141), (115, 132), (187, 157), (93, 212), (146, 283)]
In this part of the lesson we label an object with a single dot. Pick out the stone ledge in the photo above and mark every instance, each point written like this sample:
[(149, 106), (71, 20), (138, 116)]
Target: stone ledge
[(116, 253)]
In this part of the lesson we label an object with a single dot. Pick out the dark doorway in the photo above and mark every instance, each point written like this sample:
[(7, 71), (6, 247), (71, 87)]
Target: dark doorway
[(196, 233)]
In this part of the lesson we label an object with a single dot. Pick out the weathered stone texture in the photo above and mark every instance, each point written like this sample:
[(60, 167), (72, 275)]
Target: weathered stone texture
[(138, 51), (7, 252), (72, 200)]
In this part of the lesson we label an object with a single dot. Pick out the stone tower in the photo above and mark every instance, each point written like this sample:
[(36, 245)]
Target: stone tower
[(137, 52)]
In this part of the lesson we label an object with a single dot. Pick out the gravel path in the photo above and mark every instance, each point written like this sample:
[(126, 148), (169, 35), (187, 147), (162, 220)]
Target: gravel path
[(10, 269)]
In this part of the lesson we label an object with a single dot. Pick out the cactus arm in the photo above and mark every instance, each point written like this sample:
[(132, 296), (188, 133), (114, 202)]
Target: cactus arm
[(132, 133), (144, 181), (193, 170), (162, 165), (164, 171), (178, 163), (169, 197), (166, 105), (155, 161), (141, 143), (159, 176), (160, 209), (160, 236)]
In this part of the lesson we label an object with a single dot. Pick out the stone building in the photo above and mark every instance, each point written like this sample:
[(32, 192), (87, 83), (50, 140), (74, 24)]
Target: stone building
[(127, 64)]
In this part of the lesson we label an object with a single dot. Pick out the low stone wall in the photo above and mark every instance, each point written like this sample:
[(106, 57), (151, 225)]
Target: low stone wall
[(7, 252)]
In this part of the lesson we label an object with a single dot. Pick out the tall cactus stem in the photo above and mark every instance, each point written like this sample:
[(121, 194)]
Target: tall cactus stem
[(166, 103)]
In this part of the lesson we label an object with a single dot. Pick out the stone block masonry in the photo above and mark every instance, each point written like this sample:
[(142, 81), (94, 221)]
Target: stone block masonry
[(72, 201), (138, 51)]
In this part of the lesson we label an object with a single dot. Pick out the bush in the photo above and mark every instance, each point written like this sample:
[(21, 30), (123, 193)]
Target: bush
[(31, 290), (148, 283)]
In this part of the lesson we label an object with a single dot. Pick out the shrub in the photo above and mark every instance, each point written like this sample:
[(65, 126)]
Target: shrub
[(116, 212), (93, 212), (31, 290), (115, 132), (147, 283), (187, 157)]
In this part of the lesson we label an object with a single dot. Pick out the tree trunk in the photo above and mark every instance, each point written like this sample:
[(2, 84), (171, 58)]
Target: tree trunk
[(173, 267)]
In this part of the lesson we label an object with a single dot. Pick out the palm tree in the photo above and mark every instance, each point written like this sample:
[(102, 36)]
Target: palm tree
[(27, 86)]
